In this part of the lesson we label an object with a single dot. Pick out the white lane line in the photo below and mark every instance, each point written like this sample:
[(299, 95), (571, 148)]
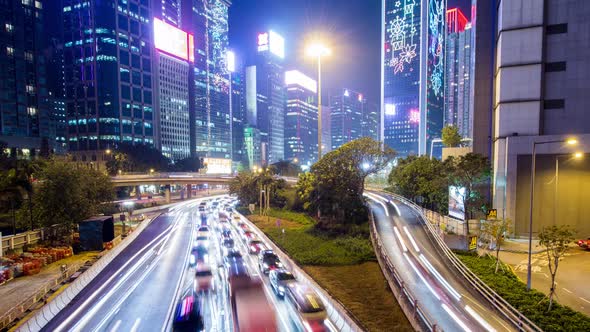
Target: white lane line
[(421, 277), (583, 299), (567, 290), (330, 326), (395, 207), (399, 237), (116, 326), (411, 239), (455, 318), (442, 280), (135, 325), (480, 320)]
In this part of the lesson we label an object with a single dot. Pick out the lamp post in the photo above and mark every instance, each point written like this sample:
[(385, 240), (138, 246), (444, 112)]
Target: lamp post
[(318, 51), (570, 141)]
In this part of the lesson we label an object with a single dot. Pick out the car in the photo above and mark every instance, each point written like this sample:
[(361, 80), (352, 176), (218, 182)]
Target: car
[(227, 244), (248, 235), (268, 260), (280, 279), (202, 209), (199, 255), (203, 231), (225, 233), (233, 256), (236, 218), (255, 246), (204, 280), (202, 241), (188, 316), (585, 244), (203, 219), (308, 306)]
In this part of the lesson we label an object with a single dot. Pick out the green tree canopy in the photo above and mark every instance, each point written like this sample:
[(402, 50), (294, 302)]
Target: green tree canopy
[(557, 241), (472, 171), (451, 137), (336, 184), (247, 186)]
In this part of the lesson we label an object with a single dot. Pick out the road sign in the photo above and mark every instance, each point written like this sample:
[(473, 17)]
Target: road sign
[(473, 243), (492, 214)]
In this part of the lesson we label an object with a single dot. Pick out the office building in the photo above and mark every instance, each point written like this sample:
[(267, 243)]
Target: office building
[(458, 72), (24, 112), (301, 119), (108, 72), (265, 96), (370, 126), (346, 117), (252, 147), (412, 74), (212, 119), (239, 121), (541, 100)]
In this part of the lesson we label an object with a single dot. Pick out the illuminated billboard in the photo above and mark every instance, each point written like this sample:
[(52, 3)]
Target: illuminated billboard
[(457, 202), (273, 42), (218, 165), (231, 61), (173, 41), (295, 77)]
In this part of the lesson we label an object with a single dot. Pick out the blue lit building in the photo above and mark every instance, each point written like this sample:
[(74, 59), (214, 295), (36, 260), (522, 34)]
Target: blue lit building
[(412, 74), (108, 75), (346, 117), (301, 119)]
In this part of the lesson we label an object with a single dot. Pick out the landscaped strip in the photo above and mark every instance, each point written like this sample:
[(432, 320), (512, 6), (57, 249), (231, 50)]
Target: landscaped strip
[(343, 265), (533, 304)]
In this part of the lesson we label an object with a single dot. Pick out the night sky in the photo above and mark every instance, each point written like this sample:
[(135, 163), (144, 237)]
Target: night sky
[(352, 28)]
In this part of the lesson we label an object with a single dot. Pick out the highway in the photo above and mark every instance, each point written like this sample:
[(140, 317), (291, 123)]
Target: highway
[(140, 289), (440, 293)]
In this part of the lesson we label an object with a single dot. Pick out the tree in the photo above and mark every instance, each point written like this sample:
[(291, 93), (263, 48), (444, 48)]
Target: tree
[(471, 171), (451, 137), (556, 240), (494, 232), (248, 185), (286, 168), (67, 194), (338, 179), (422, 177)]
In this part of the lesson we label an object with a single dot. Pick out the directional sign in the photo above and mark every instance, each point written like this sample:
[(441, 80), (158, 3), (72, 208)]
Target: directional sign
[(473, 243), (492, 214)]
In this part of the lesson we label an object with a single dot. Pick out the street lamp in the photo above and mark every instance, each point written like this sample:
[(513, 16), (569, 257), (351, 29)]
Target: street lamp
[(152, 171), (318, 51), (295, 160), (569, 141)]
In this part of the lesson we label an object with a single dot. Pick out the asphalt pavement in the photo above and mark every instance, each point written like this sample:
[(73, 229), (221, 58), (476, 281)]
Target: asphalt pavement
[(445, 298)]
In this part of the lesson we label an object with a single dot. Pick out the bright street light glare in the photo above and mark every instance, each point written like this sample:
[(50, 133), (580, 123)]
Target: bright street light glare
[(578, 155), (572, 141), (318, 50)]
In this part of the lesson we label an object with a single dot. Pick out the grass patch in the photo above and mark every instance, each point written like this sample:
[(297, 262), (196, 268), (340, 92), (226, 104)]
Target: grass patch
[(533, 304), (307, 246), (367, 297)]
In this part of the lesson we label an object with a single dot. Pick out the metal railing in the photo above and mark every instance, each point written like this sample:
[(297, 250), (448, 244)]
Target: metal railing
[(404, 296), (19, 240), (343, 319), (518, 320)]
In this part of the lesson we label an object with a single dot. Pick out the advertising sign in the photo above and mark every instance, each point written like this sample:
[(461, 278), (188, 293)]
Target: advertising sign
[(295, 77), (173, 41), (456, 202)]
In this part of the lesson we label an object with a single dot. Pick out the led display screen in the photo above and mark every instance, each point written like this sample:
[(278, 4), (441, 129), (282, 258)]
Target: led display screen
[(173, 41)]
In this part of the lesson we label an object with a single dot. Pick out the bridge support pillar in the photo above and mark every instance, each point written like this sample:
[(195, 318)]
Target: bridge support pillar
[(138, 192), (189, 191), (167, 193)]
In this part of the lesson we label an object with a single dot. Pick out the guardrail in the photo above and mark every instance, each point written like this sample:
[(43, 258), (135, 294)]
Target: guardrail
[(518, 320), (19, 240), (339, 316), (406, 300), (50, 310), (16, 312)]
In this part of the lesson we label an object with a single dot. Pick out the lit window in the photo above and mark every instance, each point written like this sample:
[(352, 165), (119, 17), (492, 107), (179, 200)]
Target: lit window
[(9, 51), (30, 89), (9, 27), (32, 111)]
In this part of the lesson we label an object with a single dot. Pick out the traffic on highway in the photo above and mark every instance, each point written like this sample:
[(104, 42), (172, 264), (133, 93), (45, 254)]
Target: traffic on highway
[(198, 267)]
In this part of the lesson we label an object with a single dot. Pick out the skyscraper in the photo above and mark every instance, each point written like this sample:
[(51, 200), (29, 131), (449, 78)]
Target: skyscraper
[(108, 58), (24, 115), (212, 120), (346, 117), (301, 119), (265, 95), (239, 121), (370, 126), (412, 74), (458, 73)]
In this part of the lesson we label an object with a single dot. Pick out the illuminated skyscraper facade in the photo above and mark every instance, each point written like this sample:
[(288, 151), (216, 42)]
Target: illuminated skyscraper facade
[(301, 119), (346, 117), (371, 117), (458, 73), (412, 74), (212, 120)]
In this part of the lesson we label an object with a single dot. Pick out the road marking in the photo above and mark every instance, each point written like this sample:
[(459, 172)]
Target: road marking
[(437, 275), (583, 299), (116, 326), (411, 239), (395, 207), (135, 325), (455, 318), (421, 277), (399, 237), (480, 320), (567, 290)]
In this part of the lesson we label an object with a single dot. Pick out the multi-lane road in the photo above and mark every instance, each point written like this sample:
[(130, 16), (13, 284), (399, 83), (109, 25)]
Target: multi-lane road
[(440, 293), (140, 289)]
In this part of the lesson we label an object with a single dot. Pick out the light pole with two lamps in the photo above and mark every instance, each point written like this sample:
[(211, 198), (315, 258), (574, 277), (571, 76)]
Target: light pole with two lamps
[(569, 141)]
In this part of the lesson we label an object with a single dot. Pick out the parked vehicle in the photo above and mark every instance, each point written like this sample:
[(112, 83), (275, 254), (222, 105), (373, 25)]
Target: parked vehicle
[(584, 243)]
